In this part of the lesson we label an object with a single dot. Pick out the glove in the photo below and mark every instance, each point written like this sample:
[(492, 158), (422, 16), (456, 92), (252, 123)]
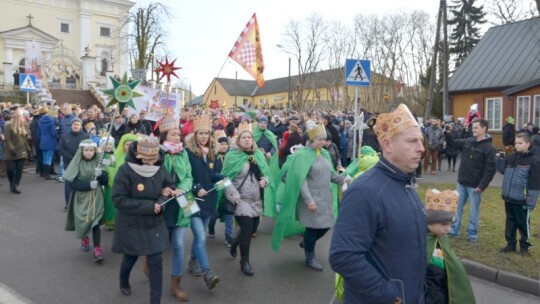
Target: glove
[(344, 187), (348, 179), (97, 172), (94, 184)]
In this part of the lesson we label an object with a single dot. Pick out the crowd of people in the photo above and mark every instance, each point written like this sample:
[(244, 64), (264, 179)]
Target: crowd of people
[(150, 181)]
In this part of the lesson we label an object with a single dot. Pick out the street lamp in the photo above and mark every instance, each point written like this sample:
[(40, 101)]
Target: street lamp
[(289, 97)]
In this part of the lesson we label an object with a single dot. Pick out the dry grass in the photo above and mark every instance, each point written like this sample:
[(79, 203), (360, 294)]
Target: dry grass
[(491, 235)]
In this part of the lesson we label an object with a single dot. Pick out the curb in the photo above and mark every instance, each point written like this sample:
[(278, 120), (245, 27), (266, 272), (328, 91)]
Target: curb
[(503, 278)]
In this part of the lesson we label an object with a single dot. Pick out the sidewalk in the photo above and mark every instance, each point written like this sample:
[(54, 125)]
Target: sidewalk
[(484, 272)]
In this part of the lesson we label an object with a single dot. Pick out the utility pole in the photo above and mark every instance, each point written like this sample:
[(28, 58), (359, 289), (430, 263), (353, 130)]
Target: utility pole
[(429, 105), (446, 101)]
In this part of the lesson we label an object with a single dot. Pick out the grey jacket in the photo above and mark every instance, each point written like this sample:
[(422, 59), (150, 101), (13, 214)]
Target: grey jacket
[(251, 203), (317, 189)]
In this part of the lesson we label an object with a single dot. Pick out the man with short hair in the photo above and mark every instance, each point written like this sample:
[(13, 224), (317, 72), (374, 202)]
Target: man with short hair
[(379, 240), (148, 126), (91, 117), (67, 147), (476, 171)]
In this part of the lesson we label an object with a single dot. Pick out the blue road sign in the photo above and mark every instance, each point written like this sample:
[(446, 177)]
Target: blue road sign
[(357, 72), (27, 83)]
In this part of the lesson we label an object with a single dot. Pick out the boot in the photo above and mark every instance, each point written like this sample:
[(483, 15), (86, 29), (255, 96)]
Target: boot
[(454, 168), (194, 268), (46, 174), (13, 188), (448, 168), (508, 249), (51, 170), (146, 270), (246, 267), (312, 263), (98, 257), (234, 247), (176, 290), (210, 279), (85, 244)]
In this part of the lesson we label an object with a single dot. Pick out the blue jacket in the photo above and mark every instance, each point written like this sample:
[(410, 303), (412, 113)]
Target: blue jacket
[(204, 177), (47, 133), (65, 123), (521, 183), (379, 240)]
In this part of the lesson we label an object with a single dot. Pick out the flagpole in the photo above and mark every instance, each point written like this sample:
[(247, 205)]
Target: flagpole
[(215, 79)]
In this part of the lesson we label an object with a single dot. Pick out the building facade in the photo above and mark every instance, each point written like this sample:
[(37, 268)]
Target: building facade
[(79, 40)]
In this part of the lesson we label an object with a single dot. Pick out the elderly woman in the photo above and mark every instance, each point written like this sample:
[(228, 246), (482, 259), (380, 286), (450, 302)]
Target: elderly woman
[(249, 172), (308, 194), (16, 147), (141, 185), (134, 125)]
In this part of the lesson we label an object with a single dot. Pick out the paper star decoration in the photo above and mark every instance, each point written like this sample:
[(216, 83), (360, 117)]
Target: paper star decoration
[(167, 69), (122, 92)]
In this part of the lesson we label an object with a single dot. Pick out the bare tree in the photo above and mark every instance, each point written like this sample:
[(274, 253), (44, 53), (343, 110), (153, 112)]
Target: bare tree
[(148, 33), (508, 11), (305, 40)]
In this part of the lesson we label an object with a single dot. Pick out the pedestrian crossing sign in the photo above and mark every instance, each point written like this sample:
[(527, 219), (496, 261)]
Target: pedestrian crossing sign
[(27, 83), (357, 72)]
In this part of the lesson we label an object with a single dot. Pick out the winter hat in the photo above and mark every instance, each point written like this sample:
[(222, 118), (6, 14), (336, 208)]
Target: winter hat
[(474, 108), (441, 206), (105, 139), (263, 119), (76, 119), (43, 111), (510, 120)]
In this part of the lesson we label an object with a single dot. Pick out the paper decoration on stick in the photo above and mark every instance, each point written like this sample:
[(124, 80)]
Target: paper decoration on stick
[(122, 92), (167, 69)]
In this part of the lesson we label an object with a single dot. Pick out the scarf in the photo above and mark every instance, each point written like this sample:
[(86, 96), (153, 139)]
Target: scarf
[(144, 171), (173, 148)]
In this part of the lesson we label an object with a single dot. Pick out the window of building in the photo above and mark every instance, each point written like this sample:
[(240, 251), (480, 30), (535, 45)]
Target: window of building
[(64, 27), (523, 111), (494, 112), (536, 113), (104, 31)]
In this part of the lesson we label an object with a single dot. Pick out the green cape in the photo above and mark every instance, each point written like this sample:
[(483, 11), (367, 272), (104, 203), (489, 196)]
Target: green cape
[(269, 196), (459, 286), (110, 210), (296, 169), (182, 167), (234, 163), (85, 208), (120, 155)]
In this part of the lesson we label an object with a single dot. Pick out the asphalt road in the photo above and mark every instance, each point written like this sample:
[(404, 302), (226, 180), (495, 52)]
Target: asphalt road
[(42, 263)]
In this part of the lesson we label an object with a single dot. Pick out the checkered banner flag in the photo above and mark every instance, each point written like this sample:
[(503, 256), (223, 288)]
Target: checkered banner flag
[(247, 51)]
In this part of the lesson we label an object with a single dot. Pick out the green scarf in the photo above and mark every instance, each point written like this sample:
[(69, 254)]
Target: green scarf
[(296, 169), (459, 286), (120, 155), (235, 161), (184, 181)]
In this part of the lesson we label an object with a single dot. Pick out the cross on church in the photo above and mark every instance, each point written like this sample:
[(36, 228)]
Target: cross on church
[(29, 19)]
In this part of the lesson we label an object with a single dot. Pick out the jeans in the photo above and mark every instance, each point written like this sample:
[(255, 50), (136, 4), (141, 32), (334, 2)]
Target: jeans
[(228, 224), (47, 157), (177, 245), (156, 273), (198, 247), (474, 212), (61, 167)]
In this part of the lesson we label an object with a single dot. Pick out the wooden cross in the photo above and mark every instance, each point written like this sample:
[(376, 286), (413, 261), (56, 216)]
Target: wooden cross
[(29, 19)]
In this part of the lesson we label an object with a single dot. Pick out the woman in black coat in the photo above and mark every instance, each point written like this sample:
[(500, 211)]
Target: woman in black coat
[(450, 152), (140, 186), (134, 125)]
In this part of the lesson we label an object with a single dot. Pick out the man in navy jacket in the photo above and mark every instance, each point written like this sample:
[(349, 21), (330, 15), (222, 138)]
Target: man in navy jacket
[(379, 240)]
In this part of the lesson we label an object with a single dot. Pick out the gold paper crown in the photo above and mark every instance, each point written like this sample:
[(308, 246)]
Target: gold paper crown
[(442, 201), (202, 122), (244, 126), (168, 123), (89, 126), (147, 146), (219, 134), (390, 124), (315, 132)]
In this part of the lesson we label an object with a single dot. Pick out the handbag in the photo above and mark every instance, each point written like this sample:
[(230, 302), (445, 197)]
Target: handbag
[(228, 207)]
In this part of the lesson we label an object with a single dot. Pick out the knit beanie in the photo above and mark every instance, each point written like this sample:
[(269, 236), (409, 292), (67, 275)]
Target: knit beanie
[(263, 119)]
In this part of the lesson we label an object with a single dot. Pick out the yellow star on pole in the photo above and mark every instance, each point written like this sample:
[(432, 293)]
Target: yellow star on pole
[(122, 92)]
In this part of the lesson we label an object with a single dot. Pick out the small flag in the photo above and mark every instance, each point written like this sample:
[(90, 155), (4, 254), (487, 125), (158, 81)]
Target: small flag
[(247, 51)]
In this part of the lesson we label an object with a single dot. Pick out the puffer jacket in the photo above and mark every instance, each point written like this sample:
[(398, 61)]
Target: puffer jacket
[(521, 183), (477, 166)]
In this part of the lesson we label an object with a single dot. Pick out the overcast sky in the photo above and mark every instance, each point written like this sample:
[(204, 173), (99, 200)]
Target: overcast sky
[(202, 32)]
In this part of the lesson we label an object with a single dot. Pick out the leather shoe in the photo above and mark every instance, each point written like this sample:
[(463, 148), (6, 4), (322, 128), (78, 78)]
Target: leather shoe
[(234, 246), (125, 290), (246, 268)]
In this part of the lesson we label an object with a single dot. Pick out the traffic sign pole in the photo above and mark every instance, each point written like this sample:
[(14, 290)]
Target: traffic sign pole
[(27, 97), (356, 124)]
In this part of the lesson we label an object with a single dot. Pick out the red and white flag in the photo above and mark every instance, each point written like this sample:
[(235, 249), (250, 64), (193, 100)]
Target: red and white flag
[(247, 51)]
